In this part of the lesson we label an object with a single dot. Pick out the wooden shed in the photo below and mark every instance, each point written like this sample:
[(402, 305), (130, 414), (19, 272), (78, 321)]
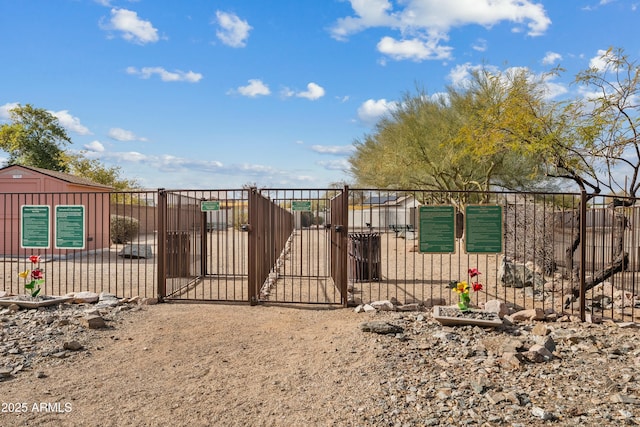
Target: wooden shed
[(46, 212)]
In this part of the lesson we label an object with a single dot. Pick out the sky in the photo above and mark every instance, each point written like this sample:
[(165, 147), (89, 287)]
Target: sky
[(221, 94)]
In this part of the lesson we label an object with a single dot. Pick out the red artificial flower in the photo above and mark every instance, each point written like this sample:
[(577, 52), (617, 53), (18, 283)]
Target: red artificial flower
[(34, 259), (473, 272), (477, 287), (37, 274)]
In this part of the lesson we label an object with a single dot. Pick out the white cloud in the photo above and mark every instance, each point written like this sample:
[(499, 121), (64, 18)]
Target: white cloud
[(551, 58), (480, 45), (461, 74), (133, 29), (233, 31), (414, 49), (333, 149), (65, 119), (124, 135), (599, 62), (70, 122), (166, 76), (425, 24), (4, 109), (371, 110), (255, 88), (313, 92), (335, 165), (95, 146)]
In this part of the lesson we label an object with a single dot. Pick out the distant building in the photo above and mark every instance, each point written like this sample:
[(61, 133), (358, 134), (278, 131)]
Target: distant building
[(31, 186)]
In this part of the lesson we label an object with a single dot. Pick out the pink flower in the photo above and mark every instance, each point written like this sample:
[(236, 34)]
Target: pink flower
[(37, 274), (34, 259)]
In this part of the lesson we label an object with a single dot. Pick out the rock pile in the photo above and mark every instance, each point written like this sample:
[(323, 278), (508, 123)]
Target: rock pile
[(29, 337), (537, 368)]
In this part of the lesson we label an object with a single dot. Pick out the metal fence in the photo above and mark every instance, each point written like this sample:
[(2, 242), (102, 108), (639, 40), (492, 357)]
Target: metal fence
[(564, 251)]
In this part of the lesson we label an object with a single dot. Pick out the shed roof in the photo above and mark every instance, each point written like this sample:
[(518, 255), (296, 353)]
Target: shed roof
[(66, 177)]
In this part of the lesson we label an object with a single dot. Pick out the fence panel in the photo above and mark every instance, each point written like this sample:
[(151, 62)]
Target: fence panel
[(193, 244), (105, 250)]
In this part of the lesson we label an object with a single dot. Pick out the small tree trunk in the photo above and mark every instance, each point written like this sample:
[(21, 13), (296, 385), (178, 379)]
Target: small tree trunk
[(620, 259)]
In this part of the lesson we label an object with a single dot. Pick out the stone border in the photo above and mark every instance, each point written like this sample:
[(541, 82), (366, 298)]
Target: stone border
[(22, 301), (467, 318)]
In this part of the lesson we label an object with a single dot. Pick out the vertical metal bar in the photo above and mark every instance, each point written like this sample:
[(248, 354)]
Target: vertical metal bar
[(583, 237)]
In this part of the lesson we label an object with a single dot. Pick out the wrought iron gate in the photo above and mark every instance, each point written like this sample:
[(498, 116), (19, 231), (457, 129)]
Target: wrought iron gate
[(253, 246)]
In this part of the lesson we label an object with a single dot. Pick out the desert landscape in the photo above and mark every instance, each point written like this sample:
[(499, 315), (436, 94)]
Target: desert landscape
[(269, 365)]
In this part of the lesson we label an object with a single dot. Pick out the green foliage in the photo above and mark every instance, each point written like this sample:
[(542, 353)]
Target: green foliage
[(34, 138), (123, 228), (95, 171), (433, 143)]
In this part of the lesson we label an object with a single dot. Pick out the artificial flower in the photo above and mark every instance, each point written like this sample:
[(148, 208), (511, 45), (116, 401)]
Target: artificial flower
[(37, 274), (462, 287), (473, 272), (24, 274), (34, 259)]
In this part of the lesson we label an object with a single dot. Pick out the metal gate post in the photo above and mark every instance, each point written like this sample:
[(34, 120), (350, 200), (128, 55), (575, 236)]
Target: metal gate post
[(344, 255), (204, 232), (162, 247), (252, 241)]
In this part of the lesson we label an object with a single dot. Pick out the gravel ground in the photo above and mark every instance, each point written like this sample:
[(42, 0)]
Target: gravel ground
[(269, 365)]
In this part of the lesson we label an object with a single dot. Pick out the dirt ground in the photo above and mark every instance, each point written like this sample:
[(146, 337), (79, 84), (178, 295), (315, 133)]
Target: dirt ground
[(205, 365)]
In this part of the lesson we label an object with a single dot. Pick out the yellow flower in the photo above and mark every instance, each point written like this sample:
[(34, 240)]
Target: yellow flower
[(462, 288), (24, 274)]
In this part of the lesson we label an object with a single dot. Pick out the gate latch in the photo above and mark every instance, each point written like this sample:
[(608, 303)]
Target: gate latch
[(245, 227)]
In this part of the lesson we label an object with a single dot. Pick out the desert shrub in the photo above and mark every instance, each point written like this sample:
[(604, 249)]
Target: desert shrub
[(123, 228)]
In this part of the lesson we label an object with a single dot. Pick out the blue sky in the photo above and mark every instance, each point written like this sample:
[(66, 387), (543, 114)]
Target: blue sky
[(220, 94)]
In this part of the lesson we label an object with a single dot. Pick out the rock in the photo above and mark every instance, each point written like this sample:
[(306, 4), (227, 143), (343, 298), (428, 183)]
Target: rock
[(518, 275), (383, 305), (496, 306), (410, 307), (528, 315), (93, 322), (5, 372), (538, 354), (540, 329), (542, 414), (85, 297), (72, 345), (369, 308), (511, 360), (136, 251), (4, 294), (621, 398), (380, 327), (13, 308), (107, 300), (432, 302), (148, 301)]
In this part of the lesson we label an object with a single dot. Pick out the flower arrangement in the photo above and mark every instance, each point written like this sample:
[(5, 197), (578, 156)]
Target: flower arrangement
[(36, 275), (463, 288)]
